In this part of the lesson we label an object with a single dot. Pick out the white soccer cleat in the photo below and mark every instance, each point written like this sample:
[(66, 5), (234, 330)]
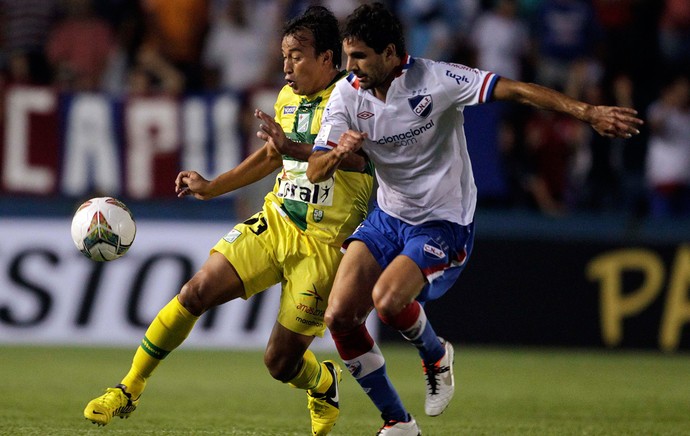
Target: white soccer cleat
[(440, 383), (399, 428)]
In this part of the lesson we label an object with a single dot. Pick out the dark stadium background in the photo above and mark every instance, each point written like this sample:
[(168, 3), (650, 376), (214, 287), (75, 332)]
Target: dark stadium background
[(529, 280)]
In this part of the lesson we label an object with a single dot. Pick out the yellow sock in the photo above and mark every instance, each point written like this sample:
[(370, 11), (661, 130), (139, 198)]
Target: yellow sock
[(168, 330), (313, 376)]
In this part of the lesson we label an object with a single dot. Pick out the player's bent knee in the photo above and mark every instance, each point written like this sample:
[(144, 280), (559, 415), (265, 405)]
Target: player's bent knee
[(339, 320), (387, 305), (281, 368), (191, 296)]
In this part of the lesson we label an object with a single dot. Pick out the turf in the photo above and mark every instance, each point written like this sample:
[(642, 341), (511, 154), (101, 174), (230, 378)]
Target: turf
[(500, 392)]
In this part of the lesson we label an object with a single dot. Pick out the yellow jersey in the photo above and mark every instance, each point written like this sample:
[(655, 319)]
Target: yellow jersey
[(330, 210)]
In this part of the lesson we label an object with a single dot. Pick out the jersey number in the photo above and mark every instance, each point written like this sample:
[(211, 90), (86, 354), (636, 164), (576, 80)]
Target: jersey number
[(257, 225)]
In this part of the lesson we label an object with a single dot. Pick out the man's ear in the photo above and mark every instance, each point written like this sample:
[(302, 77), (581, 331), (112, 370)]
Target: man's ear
[(328, 57), (390, 51)]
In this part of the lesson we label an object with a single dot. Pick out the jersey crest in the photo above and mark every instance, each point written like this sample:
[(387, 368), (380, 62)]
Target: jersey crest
[(421, 105)]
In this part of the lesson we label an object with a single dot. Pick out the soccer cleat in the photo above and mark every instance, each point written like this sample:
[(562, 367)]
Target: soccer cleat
[(115, 402), (400, 428), (440, 383), (324, 408)]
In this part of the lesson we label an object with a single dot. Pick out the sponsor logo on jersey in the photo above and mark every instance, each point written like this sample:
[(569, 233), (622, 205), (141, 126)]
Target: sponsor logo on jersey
[(406, 138), (433, 249), (459, 78), (305, 192), (294, 185), (232, 236), (460, 66), (288, 110), (365, 115), (421, 105)]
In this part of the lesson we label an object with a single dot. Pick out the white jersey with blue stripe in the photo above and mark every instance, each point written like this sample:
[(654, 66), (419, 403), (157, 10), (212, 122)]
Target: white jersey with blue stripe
[(416, 138)]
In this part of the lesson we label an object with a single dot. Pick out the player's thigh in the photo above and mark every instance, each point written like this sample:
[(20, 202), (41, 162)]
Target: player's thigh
[(250, 248), (308, 279), (399, 284), (350, 301), (440, 250)]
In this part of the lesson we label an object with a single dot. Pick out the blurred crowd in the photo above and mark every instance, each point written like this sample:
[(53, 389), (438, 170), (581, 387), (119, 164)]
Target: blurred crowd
[(632, 53)]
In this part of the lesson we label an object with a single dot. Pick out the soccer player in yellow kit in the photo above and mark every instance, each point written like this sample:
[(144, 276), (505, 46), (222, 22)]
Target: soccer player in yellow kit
[(294, 240)]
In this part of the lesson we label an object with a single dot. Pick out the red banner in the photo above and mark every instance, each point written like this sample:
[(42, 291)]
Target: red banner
[(78, 144)]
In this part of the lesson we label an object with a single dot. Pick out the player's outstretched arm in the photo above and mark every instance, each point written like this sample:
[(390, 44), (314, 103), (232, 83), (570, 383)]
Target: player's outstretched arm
[(322, 164), (255, 167), (609, 121)]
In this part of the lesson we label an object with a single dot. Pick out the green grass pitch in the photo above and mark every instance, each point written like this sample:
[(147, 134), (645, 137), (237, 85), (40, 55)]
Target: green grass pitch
[(500, 391)]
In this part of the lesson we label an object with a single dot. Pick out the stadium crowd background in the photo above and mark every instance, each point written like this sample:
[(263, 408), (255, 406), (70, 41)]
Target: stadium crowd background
[(624, 52)]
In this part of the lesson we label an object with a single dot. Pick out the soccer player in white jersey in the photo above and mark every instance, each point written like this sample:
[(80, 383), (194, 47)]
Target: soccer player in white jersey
[(407, 114)]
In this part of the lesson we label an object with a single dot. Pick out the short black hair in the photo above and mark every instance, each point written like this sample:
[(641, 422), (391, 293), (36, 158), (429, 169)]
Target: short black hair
[(377, 27), (323, 26)]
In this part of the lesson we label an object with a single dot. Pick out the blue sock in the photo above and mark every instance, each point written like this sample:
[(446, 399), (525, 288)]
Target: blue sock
[(423, 336), (379, 388), (369, 370)]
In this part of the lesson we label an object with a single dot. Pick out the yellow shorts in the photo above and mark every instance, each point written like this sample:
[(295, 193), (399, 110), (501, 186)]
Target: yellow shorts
[(267, 249)]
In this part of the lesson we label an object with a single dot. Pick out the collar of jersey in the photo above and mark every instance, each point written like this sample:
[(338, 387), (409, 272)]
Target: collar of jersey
[(405, 65), (319, 95)]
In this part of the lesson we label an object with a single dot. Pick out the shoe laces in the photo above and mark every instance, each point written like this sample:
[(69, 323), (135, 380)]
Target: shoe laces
[(318, 403), (112, 399), (433, 371)]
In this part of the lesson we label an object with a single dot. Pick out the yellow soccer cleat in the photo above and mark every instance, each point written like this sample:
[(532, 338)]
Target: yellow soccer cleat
[(115, 402), (324, 408)]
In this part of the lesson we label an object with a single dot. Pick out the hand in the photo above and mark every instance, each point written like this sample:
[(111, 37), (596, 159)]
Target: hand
[(191, 183), (272, 133), (349, 142), (615, 122)]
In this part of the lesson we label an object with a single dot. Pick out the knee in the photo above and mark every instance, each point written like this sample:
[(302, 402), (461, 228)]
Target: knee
[(192, 295), (281, 367), (332, 321), (387, 303), (340, 318)]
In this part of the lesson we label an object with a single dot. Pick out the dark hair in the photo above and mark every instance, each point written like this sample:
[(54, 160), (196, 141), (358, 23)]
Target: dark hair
[(377, 27), (324, 28)]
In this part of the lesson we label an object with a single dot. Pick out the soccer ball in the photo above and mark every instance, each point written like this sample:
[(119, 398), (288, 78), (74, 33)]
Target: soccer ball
[(103, 229)]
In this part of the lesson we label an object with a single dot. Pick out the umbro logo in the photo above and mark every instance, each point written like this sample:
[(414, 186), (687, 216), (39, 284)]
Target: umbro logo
[(365, 115)]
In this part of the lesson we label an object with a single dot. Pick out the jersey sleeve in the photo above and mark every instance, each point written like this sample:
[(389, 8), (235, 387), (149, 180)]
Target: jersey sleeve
[(466, 86), (335, 122)]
